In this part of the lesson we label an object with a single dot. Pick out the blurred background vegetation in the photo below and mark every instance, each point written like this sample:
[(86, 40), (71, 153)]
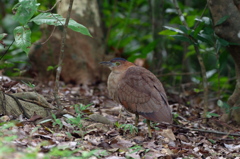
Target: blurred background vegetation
[(137, 30)]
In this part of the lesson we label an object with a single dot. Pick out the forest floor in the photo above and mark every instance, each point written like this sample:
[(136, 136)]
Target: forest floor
[(101, 128)]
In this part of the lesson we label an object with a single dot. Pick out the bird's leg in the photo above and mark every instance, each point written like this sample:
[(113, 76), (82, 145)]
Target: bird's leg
[(136, 120), (120, 113), (149, 129)]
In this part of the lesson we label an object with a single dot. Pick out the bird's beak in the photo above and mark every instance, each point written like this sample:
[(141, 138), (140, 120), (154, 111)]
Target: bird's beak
[(107, 63)]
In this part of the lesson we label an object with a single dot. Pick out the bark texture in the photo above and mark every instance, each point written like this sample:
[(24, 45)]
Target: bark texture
[(230, 31), (82, 53)]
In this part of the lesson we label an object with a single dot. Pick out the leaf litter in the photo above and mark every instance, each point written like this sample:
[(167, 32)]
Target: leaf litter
[(99, 131)]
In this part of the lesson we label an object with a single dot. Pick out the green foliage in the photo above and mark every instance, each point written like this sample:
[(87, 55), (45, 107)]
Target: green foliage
[(201, 34), (22, 37), (25, 10), (137, 148), (74, 121), (58, 20), (209, 115), (3, 35), (50, 68), (127, 127), (222, 20), (227, 108), (6, 137), (21, 22), (56, 152), (129, 31), (212, 141), (29, 84), (57, 121)]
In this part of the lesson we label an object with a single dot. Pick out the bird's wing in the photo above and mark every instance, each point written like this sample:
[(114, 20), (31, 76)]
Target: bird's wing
[(139, 91)]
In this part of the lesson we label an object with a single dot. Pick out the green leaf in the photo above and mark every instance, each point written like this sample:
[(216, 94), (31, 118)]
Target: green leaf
[(212, 141), (220, 103), (205, 38), (209, 115), (25, 10), (198, 29), (182, 38), (222, 20), (49, 68), (22, 35), (58, 20), (224, 106), (167, 32), (190, 20), (3, 35), (184, 29), (174, 29), (78, 27), (223, 42)]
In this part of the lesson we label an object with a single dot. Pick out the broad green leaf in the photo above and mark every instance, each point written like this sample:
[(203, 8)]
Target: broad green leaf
[(167, 32), (25, 10), (58, 20), (223, 105), (209, 115), (222, 20), (174, 29), (49, 68), (78, 27), (3, 35), (184, 29), (190, 20), (223, 42), (22, 35), (182, 38), (205, 38), (198, 29)]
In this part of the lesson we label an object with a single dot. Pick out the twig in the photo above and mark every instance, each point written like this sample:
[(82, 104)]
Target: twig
[(213, 132), (7, 50), (60, 60), (196, 25), (200, 60), (52, 30), (182, 19), (49, 36), (203, 130), (51, 8)]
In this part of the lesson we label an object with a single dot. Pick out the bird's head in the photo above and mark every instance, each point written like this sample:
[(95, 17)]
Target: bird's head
[(117, 64)]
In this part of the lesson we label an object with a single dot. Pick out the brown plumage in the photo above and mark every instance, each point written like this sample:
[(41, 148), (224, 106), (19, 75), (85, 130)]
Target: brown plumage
[(138, 90)]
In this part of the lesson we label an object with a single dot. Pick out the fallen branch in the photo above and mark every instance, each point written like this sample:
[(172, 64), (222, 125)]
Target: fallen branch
[(203, 130)]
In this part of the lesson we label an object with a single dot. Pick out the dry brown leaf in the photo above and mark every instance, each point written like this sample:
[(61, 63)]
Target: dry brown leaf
[(168, 134)]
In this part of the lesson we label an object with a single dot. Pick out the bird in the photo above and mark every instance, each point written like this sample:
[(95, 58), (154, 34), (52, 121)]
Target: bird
[(138, 90)]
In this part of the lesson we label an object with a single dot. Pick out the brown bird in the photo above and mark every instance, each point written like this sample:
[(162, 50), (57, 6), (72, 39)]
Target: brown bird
[(138, 90)]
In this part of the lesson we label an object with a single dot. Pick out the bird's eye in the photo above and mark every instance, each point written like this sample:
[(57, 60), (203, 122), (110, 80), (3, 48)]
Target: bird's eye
[(118, 63)]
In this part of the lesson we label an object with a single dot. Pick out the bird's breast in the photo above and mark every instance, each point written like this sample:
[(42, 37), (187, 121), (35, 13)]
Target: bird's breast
[(113, 81)]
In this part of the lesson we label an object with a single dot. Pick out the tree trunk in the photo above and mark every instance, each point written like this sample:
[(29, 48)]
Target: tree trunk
[(82, 53), (229, 30)]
